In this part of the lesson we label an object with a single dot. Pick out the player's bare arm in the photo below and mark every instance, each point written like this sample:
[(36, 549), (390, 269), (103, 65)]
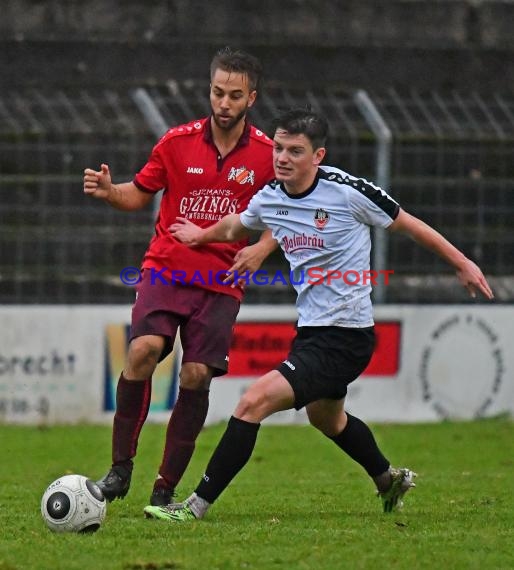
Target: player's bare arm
[(227, 229), (125, 196), (251, 257), (468, 273)]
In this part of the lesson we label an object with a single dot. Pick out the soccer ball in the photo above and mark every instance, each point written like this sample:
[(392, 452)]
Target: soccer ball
[(73, 503)]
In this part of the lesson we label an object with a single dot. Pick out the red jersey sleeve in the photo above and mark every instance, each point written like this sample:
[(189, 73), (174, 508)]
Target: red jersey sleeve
[(153, 176)]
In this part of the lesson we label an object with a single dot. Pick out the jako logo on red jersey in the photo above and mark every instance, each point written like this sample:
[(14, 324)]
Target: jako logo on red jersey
[(242, 175), (194, 170)]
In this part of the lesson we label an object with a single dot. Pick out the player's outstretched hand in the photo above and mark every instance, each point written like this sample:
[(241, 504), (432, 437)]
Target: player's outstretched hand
[(472, 278), (186, 232), (98, 183), (246, 262)]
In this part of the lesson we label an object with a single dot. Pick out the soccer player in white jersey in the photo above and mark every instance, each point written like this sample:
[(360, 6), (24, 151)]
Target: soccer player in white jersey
[(321, 217)]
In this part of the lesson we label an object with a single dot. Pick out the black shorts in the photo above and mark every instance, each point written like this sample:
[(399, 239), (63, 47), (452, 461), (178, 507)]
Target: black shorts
[(324, 360)]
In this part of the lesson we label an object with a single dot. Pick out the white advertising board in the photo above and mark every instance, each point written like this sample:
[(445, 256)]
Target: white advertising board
[(52, 362), (60, 364)]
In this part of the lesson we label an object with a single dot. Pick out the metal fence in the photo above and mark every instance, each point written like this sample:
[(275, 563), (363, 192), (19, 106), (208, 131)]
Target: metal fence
[(448, 160)]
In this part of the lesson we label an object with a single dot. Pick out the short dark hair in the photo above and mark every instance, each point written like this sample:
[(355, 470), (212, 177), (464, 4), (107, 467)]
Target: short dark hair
[(303, 121), (238, 61)]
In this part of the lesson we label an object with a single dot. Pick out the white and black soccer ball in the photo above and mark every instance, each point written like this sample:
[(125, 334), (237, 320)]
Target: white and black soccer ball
[(73, 503)]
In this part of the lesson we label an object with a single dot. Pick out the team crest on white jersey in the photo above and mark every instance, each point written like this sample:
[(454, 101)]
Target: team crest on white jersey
[(321, 218), (242, 175)]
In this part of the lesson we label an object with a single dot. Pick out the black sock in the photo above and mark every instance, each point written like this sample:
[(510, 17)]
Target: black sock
[(231, 455), (358, 442)]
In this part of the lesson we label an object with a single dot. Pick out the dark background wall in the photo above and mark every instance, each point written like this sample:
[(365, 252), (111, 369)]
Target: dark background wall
[(66, 72), (440, 44)]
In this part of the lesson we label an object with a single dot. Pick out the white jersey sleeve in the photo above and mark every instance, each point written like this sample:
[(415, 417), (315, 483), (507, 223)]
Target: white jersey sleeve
[(371, 205), (251, 217)]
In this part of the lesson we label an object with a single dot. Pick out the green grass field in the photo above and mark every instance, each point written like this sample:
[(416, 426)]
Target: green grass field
[(300, 503)]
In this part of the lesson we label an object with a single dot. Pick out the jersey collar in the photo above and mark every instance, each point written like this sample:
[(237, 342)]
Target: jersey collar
[(244, 139), (304, 194)]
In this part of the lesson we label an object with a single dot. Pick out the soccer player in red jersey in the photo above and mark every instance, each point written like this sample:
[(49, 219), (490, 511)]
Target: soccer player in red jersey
[(207, 168)]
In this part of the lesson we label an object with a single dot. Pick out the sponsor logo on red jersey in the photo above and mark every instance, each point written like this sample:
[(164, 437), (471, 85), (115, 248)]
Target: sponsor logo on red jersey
[(209, 204)]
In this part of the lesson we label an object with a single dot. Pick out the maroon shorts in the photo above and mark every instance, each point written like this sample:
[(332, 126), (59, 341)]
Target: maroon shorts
[(206, 320)]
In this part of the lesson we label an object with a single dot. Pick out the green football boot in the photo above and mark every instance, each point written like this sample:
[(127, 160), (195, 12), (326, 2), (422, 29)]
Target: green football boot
[(175, 512)]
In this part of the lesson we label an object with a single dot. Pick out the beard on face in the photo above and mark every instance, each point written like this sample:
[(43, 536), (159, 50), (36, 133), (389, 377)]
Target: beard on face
[(231, 123)]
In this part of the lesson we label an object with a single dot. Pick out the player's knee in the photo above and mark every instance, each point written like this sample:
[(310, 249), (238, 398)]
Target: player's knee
[(318, 422), (320, 425), (329, 426), (252, 406), (195, 376), (143, 354)]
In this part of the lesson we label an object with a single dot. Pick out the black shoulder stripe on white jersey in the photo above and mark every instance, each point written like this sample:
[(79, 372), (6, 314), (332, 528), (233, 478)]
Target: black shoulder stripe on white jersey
[(375, 194), (331, 176)]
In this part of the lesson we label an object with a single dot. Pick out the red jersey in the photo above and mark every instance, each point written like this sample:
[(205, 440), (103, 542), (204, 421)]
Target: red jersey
[(201, 186)]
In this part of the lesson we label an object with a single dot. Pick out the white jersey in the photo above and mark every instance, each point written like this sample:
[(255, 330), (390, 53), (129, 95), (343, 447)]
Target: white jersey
[(325, 235)]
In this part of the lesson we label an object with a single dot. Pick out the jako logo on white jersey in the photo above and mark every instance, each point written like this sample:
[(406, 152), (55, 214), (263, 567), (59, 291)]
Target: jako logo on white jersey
[(194, 170), (242, 175)]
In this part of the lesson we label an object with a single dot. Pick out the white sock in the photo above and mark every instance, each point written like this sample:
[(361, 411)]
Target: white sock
[(197, 505)]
